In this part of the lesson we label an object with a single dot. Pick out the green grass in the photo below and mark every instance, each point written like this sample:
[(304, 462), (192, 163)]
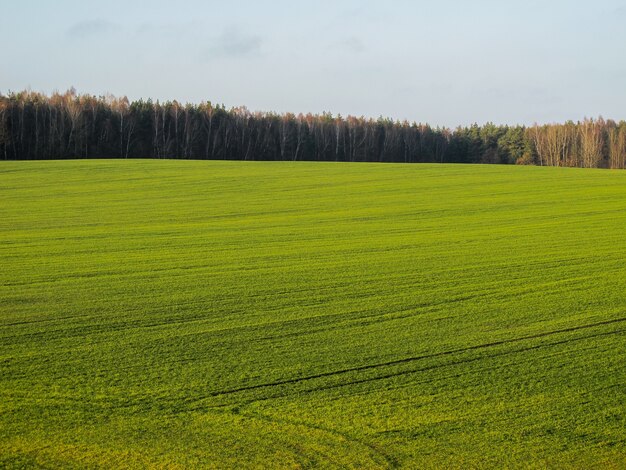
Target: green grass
[(224, 314)]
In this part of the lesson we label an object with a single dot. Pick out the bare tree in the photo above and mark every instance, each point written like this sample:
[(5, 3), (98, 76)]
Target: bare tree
[(617, 147), (4, 134), (590, 133), (207, 111)]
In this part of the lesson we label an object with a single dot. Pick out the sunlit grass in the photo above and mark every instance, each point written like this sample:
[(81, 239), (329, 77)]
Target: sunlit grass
[(230, 314)]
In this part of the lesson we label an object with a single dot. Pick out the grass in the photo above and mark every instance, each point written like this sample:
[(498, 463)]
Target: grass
[(230, 314)]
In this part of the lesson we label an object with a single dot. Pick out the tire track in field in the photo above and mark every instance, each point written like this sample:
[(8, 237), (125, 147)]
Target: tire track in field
[(407, 360), (388, 459), (454, 363), (424, 369)]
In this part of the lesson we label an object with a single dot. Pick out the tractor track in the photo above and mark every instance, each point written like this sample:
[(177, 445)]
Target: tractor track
[(408, 360)]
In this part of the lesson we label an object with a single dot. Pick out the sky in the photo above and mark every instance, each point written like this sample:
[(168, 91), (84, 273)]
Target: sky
[(444, 62)]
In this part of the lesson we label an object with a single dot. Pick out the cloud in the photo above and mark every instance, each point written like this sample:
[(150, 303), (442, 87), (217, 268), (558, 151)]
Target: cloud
[(354, 12), (233, 43), (353, 44), (87, 28), (170, 30)]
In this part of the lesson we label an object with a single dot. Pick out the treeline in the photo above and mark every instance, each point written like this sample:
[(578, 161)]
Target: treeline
[(68, 125)]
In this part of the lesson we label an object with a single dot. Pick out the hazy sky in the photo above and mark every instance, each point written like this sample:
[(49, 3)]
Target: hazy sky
[(446, 62)]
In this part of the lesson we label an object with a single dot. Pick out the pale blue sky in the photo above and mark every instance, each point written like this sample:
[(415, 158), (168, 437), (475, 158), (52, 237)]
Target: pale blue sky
[(445, 62)]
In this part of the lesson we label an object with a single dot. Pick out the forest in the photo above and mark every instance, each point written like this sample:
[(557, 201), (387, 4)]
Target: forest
[(71, 125)]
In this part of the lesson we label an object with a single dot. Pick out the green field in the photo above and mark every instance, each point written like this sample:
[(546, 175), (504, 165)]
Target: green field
[(233, 314)]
